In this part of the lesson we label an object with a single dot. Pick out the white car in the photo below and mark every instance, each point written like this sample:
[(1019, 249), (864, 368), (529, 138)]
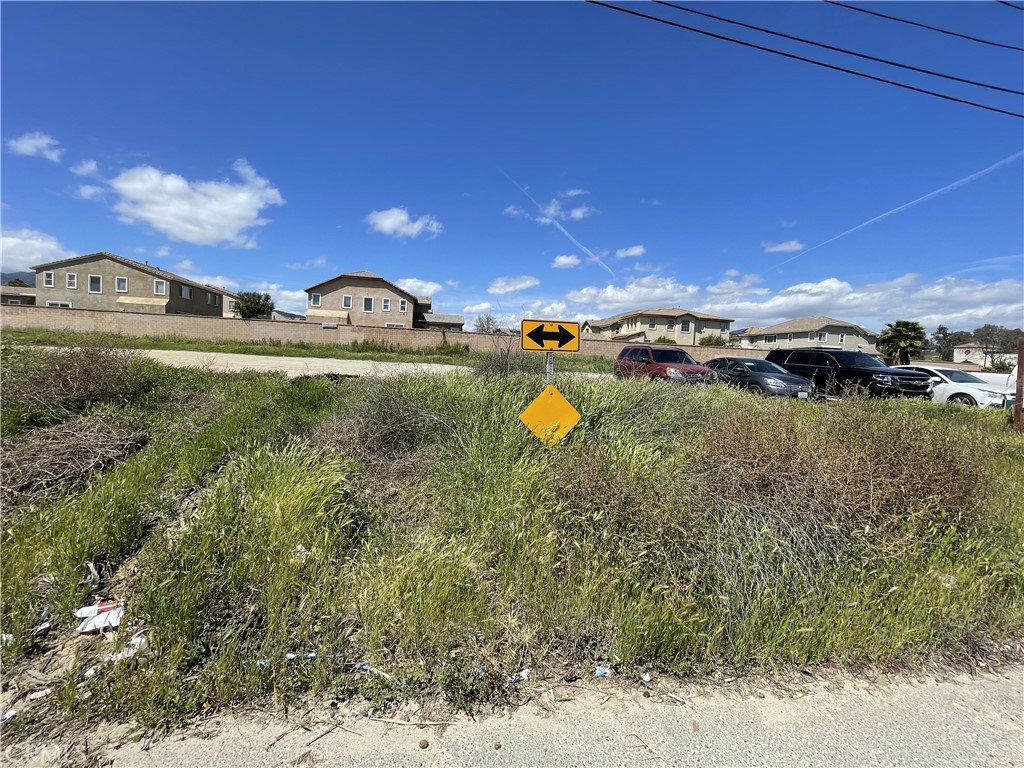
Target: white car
[(951, 385)]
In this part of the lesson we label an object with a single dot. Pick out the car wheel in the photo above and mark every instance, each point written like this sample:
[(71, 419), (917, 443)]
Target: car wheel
[(756, 388), (618, 375), (962, 399)]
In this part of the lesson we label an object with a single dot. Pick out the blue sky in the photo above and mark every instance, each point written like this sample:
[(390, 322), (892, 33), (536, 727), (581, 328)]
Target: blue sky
[(271, 146)]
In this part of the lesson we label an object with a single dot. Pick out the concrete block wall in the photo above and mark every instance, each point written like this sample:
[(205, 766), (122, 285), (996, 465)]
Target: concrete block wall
[(234, 329)]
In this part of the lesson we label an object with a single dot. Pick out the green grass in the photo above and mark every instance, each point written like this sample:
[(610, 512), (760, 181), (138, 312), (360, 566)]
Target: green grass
[(414, 524), (449, 354)]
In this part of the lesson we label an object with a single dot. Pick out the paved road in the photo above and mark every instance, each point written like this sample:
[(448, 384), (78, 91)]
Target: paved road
[(959, 722), (293, 366)]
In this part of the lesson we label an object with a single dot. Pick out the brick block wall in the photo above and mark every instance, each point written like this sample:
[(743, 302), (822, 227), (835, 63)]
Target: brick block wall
[(234, 329)]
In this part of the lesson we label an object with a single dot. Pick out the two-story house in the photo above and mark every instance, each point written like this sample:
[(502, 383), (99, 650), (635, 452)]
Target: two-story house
[(366, 299), (819, 331), (681, 326), (110, 282)]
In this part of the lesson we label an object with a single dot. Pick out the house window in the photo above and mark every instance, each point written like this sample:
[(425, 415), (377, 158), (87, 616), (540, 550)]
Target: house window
[(185, 292), (822, 336), (684, 326), (71, 281), (231, 305), (403, 305), (385, 305), (159, 287), (842, 338), (367, 303), (670, 325), (700, 327), (789, 337), (811, 335), (121, 284), (95, 284), (394, 325), (14, 301), (48, 279), (770, 339), (209, 298), (652, 324), (314, 299), (346, 302), (59, 304)]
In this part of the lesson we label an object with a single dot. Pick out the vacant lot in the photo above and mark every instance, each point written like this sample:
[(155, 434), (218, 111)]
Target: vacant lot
[(408, 537)]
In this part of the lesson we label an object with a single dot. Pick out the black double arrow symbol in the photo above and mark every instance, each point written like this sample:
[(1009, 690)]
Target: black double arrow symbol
[(563, 336)]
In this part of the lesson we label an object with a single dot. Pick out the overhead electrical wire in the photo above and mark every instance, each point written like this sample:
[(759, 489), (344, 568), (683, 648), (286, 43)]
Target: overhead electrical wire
[(840, 50), (924, 26), (1010, 5), (807, 60)]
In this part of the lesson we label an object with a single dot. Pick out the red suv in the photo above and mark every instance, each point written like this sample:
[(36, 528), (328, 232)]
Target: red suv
[(666, 363)]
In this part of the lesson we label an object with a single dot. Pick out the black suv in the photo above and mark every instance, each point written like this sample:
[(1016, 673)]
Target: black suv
[(836, 371)]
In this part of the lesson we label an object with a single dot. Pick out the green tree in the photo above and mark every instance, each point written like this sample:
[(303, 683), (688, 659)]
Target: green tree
[(17, 283), (713, 340), (900, 340), (251, 304)]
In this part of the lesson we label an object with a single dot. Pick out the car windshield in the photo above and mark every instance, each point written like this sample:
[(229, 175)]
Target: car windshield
[(858, 360), (960, 377), (763, 366), (673, 356)]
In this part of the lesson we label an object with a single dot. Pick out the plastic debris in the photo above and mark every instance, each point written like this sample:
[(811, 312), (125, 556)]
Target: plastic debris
[(300, 553), (6, 639), (646, 677), (93, 579), (9, 715), (311, 656), (524, 674), (603, 672), (366, 667), (40, 694), (137, 646), (103, 615)]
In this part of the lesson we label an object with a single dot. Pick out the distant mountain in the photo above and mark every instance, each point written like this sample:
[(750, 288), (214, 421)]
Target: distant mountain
[(28, 277)]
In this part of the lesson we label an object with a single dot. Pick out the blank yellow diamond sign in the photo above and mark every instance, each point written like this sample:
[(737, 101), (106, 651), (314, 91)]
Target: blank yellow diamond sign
[(550, 416)]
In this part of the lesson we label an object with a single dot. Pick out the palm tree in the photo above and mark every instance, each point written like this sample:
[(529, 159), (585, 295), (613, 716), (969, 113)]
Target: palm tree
[(900, 339)]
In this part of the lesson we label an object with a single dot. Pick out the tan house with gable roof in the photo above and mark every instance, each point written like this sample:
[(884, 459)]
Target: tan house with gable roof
[(819, 331), (110, 282), (367, 299), (682, 326)]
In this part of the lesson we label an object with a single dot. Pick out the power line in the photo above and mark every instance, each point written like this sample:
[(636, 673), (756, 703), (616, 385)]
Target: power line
[(1010, 5), (842, 50), (924, 26), (806, 60)]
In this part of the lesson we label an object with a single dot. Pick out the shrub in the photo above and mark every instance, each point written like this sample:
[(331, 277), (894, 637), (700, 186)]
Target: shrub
[(713, 340)]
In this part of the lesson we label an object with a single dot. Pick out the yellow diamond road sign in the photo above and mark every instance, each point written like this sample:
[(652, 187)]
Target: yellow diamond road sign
[(551, 336), (550, 416)]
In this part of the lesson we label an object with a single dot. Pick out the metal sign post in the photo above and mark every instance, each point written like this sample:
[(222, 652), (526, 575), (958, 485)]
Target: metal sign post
[(550, 417), (550, 367)]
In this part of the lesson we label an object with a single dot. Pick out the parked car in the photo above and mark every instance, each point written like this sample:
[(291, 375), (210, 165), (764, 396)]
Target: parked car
[(659, 362), (761, 377), (836, 372), (950, 385), (999, 379)]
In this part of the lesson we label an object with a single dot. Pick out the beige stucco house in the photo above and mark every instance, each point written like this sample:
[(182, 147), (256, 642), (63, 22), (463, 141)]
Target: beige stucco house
[(23, 296), (110, 282), (820, 331), (682, 326), (366, 299)]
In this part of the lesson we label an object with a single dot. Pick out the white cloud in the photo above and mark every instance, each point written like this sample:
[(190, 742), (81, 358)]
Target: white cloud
[(643, 267), (503, 285), (788, 223), (514, 210), (452, 283), (197, 212), (419, 287), (565, 262), (732, 273), (789, 246), (187, 268), (574, 193), (555, 308), (958, 303), (163, 251), (396, 222), (23, 248), (320, 261), (734, 289), (284, 299), (477, 309), (631, 252), (36, 144), (582, 212), (90, 192), (649, 291), (85, 168)]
